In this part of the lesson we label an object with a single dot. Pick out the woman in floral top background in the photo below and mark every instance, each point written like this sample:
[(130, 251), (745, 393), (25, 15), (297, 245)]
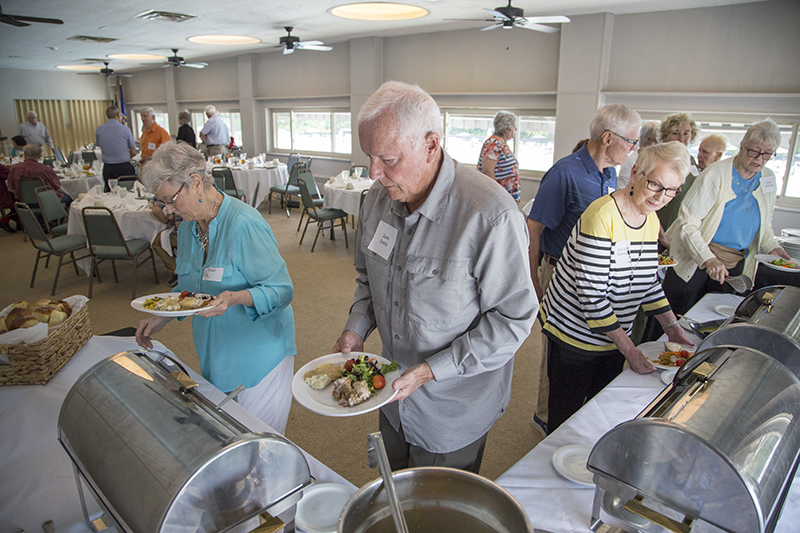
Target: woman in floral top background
[(497, 160)]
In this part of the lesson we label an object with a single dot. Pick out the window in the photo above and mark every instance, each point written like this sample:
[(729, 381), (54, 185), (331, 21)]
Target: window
[(533, 145), (232, 119), (162, 119), (312, 130)]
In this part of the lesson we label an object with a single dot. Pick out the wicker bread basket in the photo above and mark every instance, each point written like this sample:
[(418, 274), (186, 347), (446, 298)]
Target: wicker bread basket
[(36, 363)]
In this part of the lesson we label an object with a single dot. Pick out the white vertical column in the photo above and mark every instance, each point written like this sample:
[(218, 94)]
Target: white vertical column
[(252, 138), (366, 75), (172, 102)]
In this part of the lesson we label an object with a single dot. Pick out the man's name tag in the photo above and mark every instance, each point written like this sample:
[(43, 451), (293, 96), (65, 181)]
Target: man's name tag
[(768, 184), (151, 146), (383, 241), (212, 274)]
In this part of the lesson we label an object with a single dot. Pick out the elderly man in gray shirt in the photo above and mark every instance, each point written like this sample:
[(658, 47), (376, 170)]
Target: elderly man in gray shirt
[(35, 132), (443, 274)]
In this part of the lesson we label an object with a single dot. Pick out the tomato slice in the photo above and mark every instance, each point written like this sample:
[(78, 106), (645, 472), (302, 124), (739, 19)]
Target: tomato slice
[(684, 354), (679, 362), (378, 381), (348, 366), (184, 294)]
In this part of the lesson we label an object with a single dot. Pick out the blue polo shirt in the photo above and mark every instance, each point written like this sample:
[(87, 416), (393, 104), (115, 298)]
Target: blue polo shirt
[(566, 191), (115, 140), (216, 131)]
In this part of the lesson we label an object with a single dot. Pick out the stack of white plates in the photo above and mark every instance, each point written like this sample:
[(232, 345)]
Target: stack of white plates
[(790, 242), (788, 232)]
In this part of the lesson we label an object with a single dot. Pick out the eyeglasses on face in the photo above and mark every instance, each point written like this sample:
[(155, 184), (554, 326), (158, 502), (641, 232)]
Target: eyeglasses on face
[(765, 156), (632, 142), (171, 201), (657, 187)]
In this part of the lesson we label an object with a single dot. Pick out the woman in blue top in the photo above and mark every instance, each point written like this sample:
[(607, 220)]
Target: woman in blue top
[(226, 248)]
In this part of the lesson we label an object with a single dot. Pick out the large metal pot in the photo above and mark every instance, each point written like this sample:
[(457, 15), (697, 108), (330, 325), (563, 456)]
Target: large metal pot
[(434, 499)]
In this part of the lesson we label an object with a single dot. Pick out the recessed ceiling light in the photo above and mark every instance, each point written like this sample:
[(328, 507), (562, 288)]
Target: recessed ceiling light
[(79, 67), (137, 57), (378, 11), (223, 39)]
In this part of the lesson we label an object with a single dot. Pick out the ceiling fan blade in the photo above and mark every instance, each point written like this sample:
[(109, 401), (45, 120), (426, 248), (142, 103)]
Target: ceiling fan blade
[(492, 27), (557, 19), (36, 19), (167, 65), (287, 51), (314, 47), (537, 27), (12, 21), (195, 65), (311, 43), (496, 14)]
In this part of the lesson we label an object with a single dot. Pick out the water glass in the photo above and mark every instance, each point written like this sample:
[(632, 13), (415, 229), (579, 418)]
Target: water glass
[(113, 184)]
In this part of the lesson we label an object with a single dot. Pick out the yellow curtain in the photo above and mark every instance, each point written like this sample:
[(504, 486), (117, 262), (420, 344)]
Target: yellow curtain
[(71, 123)]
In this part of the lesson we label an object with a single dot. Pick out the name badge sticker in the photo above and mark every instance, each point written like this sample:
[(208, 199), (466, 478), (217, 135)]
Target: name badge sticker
[(213, 274), (622, 254), (384, 240), (151, 146), (768, 183)]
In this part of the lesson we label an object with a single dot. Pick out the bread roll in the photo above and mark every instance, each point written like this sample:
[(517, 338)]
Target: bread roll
[(27, 321), (57, 317), (21, 303), (42, 314), (39, 303), (14, 313), (65, 307)]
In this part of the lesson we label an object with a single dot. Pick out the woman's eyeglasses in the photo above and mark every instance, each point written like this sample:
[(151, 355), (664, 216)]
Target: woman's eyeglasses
[(164, 203), (657, 187), (765, 156)]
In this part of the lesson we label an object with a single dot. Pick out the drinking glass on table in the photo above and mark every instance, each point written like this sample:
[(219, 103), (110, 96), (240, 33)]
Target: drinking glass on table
[(242, 158), (112, 184)]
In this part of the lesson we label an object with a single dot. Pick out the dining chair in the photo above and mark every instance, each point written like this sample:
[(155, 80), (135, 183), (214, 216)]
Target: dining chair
[(56, 246), (49, 161), (106, 241), (227, 183), (308, 177), (53, 212), (283, 192), (88, 156), (27, 194), (59, 155), (255, 194), (127, 181), (321, 216)]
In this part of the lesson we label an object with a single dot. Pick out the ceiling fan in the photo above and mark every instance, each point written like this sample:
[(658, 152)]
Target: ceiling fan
[(107, 72), (23, 20), (508, 17), (290, 43), (177, 61)]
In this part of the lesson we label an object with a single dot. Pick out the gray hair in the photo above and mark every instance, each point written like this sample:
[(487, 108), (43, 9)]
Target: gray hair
[(210, 110), (31, 112), (613, 117), (764, 132), (674, 153), (671, 123), (185, 117), (716, 141), (174, 162), (649, 129), (414, 110), (112, 111), (32, 151), (504, 120), (148, 111)]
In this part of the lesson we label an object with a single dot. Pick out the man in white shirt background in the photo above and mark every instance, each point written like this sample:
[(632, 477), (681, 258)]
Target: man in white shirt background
[(215, 134), (35, 132)]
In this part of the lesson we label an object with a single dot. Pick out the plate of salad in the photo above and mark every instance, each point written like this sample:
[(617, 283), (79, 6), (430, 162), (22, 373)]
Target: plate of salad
[(345, 384), (778, 263)]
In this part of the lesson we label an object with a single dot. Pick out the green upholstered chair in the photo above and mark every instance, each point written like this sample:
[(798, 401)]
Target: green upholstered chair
[(284, 192), (53, 212), (47, 246), (308, 177), (320, 216), (106, 242), (127, 181), (227, 183)]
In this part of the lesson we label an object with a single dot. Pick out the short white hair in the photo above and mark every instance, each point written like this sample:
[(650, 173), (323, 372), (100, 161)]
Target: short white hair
[(210, 110), (415, 111), (613, 117), (764, 132), (148, 111)]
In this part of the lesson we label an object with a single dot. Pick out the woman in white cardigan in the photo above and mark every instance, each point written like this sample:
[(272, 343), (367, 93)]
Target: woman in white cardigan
[(724, 221)]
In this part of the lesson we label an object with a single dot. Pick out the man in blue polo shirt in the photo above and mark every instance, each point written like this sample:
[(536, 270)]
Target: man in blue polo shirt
[(565, 192), (116, 141), (215, 134)]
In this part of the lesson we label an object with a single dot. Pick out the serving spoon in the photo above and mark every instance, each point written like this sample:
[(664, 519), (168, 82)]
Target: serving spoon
[(376, 456), (740, 283)]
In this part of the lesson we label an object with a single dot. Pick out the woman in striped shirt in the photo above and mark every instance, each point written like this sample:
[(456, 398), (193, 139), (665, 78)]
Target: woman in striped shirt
[(497, 160), (606, 272)]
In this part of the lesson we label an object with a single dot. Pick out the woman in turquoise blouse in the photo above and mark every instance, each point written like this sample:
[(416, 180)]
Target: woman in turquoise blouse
[(227, 249)]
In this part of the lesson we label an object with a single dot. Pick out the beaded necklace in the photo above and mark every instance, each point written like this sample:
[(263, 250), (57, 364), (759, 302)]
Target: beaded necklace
[(201, 235)]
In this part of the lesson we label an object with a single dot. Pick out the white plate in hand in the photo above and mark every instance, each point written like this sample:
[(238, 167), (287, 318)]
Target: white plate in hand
[(322, 401), (653, 350), (322, 503), (570, 462), (766, 260), (138, 304)]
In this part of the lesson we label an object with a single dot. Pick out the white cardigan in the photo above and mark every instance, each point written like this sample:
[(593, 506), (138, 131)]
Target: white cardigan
[(701, 213)]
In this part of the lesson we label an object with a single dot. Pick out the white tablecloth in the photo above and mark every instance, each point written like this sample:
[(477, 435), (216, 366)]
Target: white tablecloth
[(247, 179), (336, 195), (79, 185), (36, 478), (556, 504)]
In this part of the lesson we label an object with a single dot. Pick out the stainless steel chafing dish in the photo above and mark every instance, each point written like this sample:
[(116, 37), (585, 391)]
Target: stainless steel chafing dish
[(716, 451), (768, 320), (159, 456)]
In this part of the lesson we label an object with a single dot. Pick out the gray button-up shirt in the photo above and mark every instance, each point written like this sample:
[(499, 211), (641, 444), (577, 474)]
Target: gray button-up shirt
[(35, 134), (455, 292)]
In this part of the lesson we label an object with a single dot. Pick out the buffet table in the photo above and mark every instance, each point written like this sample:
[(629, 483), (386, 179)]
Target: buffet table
[(38, 483), (557, 504)]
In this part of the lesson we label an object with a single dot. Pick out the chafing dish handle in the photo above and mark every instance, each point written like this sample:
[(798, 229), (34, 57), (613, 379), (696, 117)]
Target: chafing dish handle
[(636, 506)]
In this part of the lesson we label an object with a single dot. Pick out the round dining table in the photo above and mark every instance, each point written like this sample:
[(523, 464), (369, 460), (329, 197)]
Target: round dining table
[(346, 196), (261, 176)]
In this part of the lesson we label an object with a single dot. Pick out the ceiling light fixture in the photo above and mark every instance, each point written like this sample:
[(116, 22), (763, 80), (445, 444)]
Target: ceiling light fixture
[(228, 40), (79, 67), (378, 11), (137, 57)]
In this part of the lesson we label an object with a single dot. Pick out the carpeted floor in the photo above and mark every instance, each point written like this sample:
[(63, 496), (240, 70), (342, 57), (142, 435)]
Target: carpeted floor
[(324, 284)]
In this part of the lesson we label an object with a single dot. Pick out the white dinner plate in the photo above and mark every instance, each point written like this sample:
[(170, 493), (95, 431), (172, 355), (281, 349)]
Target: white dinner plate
[(322, 401), (138, 304), (765, 259), (668, 375), (322, 503), (570, 462), (724, 310), (674, 264), (652, 350)]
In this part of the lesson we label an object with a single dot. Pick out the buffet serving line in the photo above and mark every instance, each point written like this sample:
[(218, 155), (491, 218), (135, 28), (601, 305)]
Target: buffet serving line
[(558, 504), (38, 480)]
